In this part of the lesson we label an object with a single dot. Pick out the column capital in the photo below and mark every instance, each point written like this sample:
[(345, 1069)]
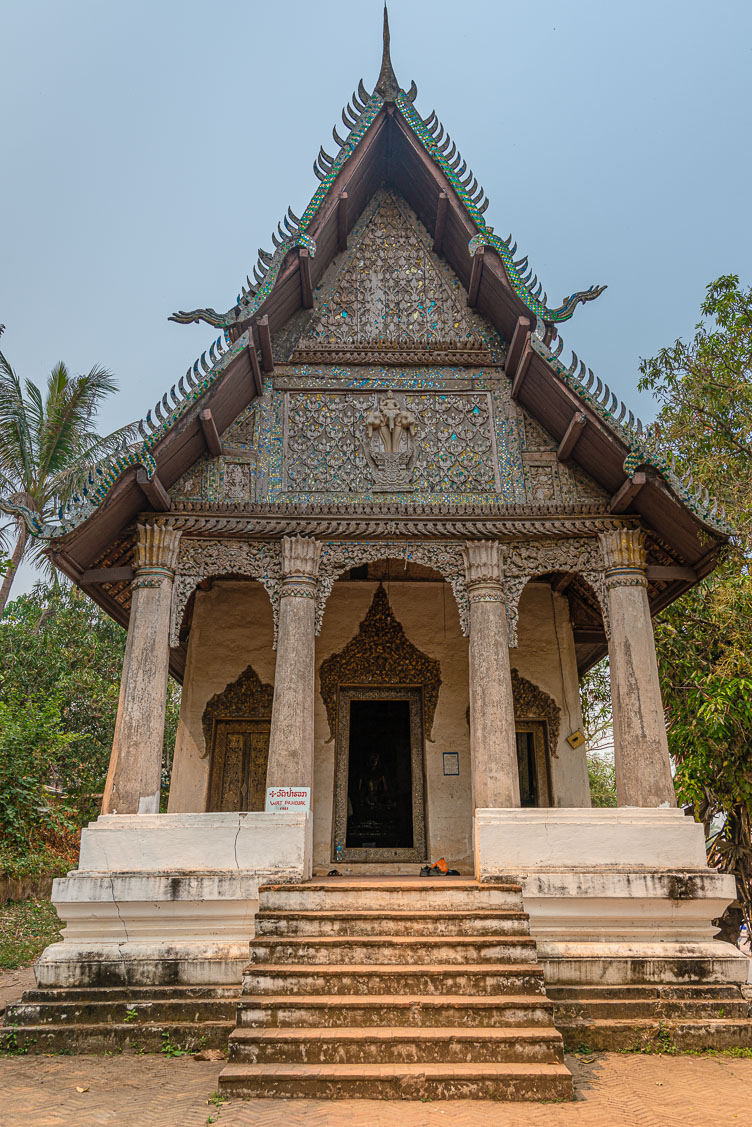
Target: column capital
[(300, 566), (624, 557), (482, 562), (156, 553)]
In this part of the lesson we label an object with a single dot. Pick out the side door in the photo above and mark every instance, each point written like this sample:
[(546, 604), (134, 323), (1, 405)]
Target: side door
[(240, 752)]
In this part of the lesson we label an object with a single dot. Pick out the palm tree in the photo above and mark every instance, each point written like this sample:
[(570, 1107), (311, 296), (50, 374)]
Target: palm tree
[(47, 445)]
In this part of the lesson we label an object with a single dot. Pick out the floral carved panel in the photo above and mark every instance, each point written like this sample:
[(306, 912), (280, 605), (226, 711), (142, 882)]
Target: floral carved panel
[(204, 559), (525, 560), (338, 557), (380, 654)]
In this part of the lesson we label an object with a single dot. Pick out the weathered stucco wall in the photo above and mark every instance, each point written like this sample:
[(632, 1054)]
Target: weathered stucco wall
[(546, 656), (232, 628), (428, 615)]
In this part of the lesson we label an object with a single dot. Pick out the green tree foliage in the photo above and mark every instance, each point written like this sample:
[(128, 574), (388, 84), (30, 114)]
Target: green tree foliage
[(602, 779), (60, 665), (704, 388), (595, 691), (47, 444)]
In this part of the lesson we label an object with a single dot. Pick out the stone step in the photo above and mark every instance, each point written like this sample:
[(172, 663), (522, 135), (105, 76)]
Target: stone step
[(362, 922), (657, 1034), (127, 993), (395, 1045), (128, 1011), (398, 1081), (406, 950), (647, 990), (84, 1037), (569, 1010), (338, 1011), (393, 978), (418, 895)]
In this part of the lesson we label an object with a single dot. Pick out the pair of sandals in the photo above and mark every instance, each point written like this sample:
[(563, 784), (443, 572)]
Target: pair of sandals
[(435, 871)]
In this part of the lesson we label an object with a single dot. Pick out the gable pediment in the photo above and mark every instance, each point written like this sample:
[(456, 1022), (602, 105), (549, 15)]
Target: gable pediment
[(389, 293)]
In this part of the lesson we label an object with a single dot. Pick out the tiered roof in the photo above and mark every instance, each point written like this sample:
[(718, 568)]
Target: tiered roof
[(385, 140)]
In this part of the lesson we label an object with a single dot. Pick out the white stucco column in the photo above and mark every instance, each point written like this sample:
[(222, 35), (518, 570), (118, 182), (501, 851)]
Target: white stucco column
[(643, 773), (493, 745), (135, 774), (291, 739)]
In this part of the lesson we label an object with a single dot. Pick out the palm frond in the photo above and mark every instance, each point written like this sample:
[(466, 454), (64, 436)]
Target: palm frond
[(70, 408), (16, 443), (70, 478)]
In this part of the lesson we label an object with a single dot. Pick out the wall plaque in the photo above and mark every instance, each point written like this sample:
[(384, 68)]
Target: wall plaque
[(288, 800)]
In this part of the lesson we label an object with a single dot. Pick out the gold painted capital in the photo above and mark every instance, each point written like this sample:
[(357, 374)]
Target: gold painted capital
[(156, 547), (624, 548), (483, 566)]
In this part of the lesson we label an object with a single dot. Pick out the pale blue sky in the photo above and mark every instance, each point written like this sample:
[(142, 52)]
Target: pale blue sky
[(150, 147)]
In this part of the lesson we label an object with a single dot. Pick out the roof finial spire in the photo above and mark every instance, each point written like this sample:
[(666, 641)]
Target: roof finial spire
[(387, 85)]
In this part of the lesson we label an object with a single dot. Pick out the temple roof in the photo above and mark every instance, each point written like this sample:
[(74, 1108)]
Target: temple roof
[(387, 142)]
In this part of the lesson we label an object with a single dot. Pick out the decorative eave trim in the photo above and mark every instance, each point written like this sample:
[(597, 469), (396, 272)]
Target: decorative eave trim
[(443, 151), (639, 440)]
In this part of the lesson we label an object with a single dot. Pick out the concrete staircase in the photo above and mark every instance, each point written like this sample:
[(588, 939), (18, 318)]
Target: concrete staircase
[(86, 1019), (692, 1017), (394, 988)]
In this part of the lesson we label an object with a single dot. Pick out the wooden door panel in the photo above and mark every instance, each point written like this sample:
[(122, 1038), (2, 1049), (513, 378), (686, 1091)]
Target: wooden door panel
[(239, 759)]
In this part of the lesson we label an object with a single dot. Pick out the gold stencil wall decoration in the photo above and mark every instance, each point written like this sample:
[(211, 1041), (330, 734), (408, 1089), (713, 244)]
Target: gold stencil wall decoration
[(380, 654)]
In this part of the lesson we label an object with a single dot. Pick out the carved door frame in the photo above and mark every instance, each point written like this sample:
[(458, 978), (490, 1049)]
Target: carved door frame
[(245, 699), (224, 728), (418, 851)]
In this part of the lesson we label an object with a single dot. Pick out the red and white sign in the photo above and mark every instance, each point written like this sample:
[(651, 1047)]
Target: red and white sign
[(286, 800)]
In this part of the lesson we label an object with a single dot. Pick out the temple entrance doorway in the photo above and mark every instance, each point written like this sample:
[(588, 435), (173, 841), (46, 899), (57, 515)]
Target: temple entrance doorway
[(379, 777)]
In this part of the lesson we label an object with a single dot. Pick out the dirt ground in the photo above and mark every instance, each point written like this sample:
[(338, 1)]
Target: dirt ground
[(613, 1090)]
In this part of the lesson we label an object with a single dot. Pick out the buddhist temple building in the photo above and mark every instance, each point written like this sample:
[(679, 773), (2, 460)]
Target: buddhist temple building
[(379, 531)]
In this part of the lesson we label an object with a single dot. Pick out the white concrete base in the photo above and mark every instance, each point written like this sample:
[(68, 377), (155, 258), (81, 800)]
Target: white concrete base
[(615, 896), (169, 898)]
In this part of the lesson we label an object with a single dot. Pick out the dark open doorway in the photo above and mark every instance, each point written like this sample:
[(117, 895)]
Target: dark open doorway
[(379, 791), (379, 812)]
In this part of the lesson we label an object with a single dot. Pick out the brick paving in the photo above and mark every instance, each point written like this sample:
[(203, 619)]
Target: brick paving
[(153, 1091)]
